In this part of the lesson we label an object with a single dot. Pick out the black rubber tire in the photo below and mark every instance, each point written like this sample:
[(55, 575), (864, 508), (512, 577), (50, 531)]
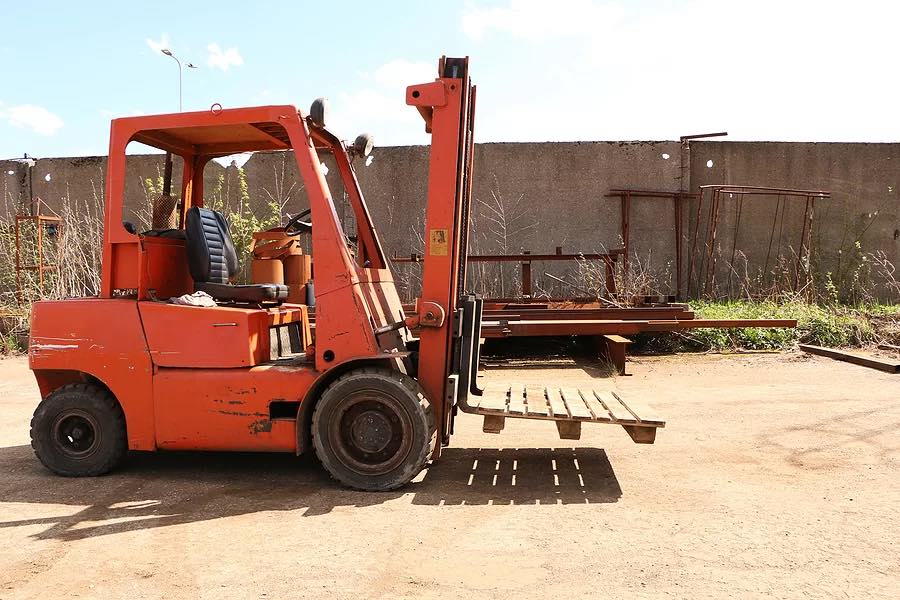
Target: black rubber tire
[(82, 403), (406, 395)]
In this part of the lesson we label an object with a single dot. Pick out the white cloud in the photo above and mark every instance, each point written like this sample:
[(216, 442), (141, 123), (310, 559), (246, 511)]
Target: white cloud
[(540, 20), (379, 107), (400, 73), (798, 71), (163, 42), (223, 59), (28, 116)]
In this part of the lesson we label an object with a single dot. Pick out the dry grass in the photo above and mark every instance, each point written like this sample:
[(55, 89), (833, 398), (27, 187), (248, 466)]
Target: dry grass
[(864, 278)]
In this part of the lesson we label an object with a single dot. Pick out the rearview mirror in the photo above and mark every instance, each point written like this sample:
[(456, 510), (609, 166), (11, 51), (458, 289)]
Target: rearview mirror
[(319, 111), (362, 145)]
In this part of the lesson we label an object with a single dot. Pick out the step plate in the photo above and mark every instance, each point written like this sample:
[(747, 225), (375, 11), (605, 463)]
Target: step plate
[(568, 404)]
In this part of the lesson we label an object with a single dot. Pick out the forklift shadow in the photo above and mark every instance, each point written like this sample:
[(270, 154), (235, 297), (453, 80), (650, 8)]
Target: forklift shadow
[(512, 476), (166, 488), (172, 488)]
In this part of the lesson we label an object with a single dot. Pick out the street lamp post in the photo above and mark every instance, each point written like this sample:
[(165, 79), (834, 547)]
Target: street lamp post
[(167, 178), (189, 65)]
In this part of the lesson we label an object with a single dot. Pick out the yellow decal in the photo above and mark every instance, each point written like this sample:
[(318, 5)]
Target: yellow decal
[(438, 242)]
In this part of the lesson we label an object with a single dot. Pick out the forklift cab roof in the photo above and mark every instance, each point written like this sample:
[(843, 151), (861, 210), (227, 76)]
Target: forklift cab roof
[(218, 131)]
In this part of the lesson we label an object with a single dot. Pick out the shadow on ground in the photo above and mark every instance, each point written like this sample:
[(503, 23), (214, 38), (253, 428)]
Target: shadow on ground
[(157, 490), (580, 354)]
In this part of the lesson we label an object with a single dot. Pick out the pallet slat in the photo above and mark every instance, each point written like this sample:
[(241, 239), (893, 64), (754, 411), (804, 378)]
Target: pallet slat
[(493, 403), (597, 409), (641, 411), (536, 399), (619, 412), (575, 404), (517, 401), (557, 404), (495, 398)]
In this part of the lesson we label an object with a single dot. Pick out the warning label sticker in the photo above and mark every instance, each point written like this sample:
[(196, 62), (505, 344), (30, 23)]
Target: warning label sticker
[(437, 242)]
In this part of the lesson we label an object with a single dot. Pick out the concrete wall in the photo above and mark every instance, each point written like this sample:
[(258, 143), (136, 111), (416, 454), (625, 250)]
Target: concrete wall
[(537, 196), (862, 217), (531, 197)]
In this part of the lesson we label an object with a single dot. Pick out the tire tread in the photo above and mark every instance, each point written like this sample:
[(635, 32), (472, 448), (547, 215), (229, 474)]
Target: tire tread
[(104, 402), (422, 453)]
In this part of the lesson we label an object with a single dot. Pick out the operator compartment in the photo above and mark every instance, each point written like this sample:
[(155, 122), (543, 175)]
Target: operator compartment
[(223, 336)]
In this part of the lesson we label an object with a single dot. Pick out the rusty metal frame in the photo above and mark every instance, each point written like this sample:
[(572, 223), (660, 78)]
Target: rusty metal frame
[(525, 259), (625, 196), (40, 223), (595, 327), (706, 261)]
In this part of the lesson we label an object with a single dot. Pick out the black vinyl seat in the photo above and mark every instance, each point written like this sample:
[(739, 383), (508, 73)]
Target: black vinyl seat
[(213, 261)]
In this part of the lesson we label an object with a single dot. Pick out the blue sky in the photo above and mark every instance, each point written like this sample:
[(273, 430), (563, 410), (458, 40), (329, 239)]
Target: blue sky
[(559, 70)]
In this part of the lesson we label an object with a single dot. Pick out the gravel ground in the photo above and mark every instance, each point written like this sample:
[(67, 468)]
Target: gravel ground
[(777, 475)]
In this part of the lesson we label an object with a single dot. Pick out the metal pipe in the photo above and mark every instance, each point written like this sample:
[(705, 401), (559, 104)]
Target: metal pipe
[(784, 191), (698, 136), (414, 258)]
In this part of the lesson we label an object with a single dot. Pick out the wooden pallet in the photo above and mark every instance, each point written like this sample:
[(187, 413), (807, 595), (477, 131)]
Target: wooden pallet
[(567, 407)]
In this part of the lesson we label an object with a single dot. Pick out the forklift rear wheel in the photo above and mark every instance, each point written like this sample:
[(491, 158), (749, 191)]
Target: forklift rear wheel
[(373, 429), (78, 430)]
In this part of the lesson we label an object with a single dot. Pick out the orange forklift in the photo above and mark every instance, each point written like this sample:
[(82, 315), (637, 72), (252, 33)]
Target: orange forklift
[(373, 391)]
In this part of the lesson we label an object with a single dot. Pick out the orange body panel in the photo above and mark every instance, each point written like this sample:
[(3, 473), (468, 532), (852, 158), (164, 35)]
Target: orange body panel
[(124, 263), (103, 339), (191, 377), (163, 268), (227, 409), (198, 337)]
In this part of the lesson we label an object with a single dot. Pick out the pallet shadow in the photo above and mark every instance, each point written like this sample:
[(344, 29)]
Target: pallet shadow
[(512, 476)]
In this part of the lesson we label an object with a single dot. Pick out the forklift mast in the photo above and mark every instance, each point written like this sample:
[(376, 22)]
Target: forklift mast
[(448, 107)]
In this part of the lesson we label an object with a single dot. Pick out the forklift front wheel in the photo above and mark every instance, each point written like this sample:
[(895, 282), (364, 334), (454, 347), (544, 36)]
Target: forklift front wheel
[(78, 430), (373, 429)]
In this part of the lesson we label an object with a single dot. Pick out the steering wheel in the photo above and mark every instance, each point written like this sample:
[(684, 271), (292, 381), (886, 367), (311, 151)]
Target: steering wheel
[(296, 226)]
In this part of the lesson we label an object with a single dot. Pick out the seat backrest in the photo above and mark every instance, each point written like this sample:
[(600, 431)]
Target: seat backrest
[(211, 255)]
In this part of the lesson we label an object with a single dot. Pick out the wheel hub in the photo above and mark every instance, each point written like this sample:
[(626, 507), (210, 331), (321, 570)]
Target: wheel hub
[(371, 431), (76, 434)]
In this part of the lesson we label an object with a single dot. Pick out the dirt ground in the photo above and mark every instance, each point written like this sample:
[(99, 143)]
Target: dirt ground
[(777, 475)]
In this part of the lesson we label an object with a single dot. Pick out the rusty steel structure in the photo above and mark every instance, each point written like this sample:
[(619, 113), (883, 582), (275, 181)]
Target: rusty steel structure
[(625, 195), (45, 226), (705, 258), (608, 259), (598, 317)]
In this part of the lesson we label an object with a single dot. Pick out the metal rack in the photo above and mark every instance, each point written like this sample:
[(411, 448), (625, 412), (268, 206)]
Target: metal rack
[(44, 226)]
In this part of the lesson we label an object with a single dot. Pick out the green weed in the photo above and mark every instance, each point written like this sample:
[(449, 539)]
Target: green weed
[(830, 325)]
